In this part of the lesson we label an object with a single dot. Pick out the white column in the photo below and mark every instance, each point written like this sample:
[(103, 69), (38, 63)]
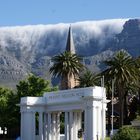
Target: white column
[(79, 119), (75, 127), (53, 126), (45, 126), (58, 126), (99, 128), (33, 125), (90, 122), (71, 125), (28, 126), (85, 123), (103, 120), (22, 125), (94, 125), (49, 134), (40, 125), (66, 125)]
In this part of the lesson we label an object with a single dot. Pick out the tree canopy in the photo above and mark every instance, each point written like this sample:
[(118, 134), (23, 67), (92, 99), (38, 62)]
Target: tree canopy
[(33, 86), (66, 66), (88, 79), (122, 69), (9, 111)]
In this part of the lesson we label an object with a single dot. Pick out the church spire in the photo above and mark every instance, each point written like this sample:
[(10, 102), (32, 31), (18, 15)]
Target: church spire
[(70, 43)]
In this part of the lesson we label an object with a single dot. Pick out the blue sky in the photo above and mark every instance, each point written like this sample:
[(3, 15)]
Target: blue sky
[(28, 12)]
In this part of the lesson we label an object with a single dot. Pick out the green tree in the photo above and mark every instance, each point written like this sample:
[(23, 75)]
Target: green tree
[(122, 69), (88, 79), (65, 66), (4, 95), (33, 86), (9, 112), (127, 133), (138, 81), (108, 85)]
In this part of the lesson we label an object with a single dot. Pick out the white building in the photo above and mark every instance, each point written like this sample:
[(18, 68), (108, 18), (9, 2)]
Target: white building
[(91, 101)]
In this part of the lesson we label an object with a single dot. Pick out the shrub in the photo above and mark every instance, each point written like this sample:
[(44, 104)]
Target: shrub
[(127, 133), (107, 138)]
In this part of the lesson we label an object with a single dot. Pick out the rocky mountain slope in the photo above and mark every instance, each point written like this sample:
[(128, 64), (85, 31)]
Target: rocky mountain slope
[(26, 49)]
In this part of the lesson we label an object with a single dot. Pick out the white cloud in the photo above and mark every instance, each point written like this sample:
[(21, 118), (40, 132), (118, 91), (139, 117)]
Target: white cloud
[(27, 37)]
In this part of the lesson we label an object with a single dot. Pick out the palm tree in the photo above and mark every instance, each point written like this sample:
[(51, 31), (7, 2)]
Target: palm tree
[(67, 66), (138, 80), (88, 79), (122, 69)]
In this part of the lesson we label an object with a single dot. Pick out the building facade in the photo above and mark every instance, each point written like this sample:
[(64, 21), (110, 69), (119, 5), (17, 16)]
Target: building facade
[(89, 101)]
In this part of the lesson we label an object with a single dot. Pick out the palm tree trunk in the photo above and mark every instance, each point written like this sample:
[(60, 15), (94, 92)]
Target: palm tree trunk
[(109, 118), (126, 121), (121, 111), (139, 103)]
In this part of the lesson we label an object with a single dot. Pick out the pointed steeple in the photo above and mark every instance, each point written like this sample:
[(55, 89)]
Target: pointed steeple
[(70, 43)]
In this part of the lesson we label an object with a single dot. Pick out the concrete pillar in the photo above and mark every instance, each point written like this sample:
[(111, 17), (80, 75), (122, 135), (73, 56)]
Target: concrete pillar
[(33, 125), (75, 127), (53, 126), (58, 126), (79, 119), (49, 134), (99, 122), (45, 126), (71, 123), (27, 126), (22, 125), (85, 123), (103, 120), (90, 122), (66, 125), (40, 125)]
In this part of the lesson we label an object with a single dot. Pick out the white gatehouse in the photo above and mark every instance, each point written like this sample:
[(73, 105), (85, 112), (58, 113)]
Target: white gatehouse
[(73, 103)]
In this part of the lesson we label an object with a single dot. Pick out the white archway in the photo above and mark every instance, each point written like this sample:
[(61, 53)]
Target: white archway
[(72, 102)]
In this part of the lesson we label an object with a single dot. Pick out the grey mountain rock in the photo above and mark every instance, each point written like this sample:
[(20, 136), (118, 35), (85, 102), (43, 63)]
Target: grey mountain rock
[(11, 70), (29, 49)]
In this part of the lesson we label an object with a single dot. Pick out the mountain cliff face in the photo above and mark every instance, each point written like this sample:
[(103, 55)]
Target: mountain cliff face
[(128, 39), (11, 70), (29, 49)]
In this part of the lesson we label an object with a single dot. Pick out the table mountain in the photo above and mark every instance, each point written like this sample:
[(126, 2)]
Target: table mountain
[(28, 49)]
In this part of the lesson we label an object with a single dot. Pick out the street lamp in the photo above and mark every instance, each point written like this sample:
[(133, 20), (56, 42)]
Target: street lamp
[(112, 108)]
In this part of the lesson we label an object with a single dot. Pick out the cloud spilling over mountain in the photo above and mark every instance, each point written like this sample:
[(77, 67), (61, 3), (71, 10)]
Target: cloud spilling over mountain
[(49, 39), (31, 47)]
